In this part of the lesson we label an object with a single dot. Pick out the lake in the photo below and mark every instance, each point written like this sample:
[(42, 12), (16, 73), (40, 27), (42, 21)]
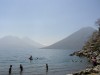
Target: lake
[(59, 62)]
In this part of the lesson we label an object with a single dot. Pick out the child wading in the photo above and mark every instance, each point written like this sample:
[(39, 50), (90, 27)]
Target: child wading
[(10, 69), (47, 67), (21, 68)]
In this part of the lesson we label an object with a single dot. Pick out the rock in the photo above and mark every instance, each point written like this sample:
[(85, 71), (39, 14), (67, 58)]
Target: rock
[(88, 71), (69, 74), (90, 49), (96, 69), (76, 74), (95, 53), (72, 54)]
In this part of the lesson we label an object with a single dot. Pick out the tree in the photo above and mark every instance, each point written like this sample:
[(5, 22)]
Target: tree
[(98, 24)]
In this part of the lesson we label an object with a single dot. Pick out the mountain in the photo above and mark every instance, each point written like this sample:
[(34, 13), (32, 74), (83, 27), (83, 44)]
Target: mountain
[(75, 41), (31, 42), (13, 42)]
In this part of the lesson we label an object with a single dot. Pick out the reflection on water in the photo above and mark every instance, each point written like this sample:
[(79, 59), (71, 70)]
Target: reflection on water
[(59, 62)]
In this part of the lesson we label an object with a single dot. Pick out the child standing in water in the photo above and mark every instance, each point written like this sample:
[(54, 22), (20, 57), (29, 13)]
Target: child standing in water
[(10, 69), (21, 68), (47, 67)]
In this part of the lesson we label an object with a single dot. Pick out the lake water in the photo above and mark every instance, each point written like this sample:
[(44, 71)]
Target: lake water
[(59, 62)]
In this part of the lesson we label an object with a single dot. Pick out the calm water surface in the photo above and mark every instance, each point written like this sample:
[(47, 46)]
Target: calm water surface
[(59, 62)]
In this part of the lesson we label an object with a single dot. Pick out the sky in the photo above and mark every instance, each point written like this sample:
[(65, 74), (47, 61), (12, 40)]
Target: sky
[(46, 21)]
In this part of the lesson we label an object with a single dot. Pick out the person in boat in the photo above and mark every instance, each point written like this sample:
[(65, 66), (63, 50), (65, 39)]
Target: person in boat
[(10, 69), (31, 58)]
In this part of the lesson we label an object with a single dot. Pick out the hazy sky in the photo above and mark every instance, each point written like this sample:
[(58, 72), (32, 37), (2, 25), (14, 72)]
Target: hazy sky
[(46, 21)]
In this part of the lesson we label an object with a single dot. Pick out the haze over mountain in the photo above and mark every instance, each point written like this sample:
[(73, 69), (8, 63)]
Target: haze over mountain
[(13, 42), (74, 41)]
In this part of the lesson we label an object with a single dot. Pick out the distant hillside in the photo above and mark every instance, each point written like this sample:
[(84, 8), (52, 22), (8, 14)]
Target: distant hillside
[(31, 42), (74, 41), (12, 42)]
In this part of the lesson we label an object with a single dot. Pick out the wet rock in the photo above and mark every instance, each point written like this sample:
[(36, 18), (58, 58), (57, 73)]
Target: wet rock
[(76, 74), (72, 54)]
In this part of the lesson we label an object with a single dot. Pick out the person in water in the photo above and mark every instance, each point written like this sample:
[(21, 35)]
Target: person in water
[(31, 58), (47, 67), (94, 61), (10, 69), (21, 68)]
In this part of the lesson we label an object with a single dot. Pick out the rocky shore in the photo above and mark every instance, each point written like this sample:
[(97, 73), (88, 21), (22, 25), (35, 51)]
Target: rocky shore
[(90, 49)]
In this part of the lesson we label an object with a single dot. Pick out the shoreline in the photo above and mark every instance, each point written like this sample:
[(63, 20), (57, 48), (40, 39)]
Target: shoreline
[(93, 70), (91, 50)]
